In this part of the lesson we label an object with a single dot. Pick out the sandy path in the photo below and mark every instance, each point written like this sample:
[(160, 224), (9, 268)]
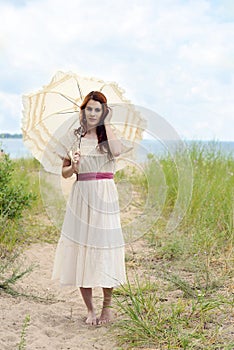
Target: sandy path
[(58, 325)]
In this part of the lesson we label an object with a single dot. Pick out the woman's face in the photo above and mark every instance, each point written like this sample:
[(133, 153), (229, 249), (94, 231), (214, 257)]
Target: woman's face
[(93, 113)]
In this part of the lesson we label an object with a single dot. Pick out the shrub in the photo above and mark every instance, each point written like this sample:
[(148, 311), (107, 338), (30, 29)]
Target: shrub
[(13, 196)]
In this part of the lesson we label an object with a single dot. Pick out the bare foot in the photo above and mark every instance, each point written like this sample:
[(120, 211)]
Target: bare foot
[(106, 316), (91, 319)]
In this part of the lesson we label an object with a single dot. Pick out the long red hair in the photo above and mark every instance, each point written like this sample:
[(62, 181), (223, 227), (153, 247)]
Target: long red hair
[(100, 129)]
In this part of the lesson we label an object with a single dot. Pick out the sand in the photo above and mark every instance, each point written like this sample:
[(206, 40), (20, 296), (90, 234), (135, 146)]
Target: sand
[(57, 324)]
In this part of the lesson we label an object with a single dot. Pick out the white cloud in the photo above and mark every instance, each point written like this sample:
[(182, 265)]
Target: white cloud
[(10, 107)]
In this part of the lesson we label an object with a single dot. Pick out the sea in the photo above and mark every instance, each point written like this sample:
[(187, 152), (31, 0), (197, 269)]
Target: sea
[(15, 147)]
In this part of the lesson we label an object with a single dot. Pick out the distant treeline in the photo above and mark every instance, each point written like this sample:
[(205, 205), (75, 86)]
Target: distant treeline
[(10, 136)]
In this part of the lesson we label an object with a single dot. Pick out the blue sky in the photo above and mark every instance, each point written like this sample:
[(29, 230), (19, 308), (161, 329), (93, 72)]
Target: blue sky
[(175, 57)]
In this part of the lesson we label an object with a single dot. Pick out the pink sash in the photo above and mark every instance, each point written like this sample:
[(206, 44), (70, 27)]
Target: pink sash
[(94, 176)]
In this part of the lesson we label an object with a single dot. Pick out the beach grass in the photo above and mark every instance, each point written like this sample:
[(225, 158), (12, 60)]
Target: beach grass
[(22, 344), (182, 295)]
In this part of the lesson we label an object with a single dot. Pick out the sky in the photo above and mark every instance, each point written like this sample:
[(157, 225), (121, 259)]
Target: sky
[(174, 57)]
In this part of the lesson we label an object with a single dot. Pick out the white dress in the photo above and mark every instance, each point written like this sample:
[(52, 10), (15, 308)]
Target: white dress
[(90, 251)]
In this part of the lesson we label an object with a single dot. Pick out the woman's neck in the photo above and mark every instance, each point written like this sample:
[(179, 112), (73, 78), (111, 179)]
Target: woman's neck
[(91, 133)]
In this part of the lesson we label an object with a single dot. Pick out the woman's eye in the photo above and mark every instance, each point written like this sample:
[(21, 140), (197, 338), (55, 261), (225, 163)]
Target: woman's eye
[(97, 110)]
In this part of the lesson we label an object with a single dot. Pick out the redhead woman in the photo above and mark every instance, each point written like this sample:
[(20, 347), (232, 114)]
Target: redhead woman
[(90, 251)]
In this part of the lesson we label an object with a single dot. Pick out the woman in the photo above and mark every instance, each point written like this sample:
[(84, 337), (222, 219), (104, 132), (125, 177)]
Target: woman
[(90, 252)]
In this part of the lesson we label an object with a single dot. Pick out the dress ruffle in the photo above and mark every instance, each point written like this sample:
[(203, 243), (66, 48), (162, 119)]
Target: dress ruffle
[(88, 267)]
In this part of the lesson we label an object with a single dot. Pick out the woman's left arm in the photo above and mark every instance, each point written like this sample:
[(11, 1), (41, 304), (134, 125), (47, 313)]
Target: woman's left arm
[(113, 141)]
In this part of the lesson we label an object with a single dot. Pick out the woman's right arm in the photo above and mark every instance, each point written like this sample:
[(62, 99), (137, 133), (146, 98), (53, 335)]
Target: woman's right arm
[(70, 167)]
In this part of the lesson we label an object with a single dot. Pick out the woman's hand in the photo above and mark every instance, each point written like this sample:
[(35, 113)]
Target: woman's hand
[(108, 116), (75, 160), (71, 165)]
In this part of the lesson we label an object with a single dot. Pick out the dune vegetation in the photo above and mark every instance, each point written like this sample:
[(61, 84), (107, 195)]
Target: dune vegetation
[(181, 295)]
